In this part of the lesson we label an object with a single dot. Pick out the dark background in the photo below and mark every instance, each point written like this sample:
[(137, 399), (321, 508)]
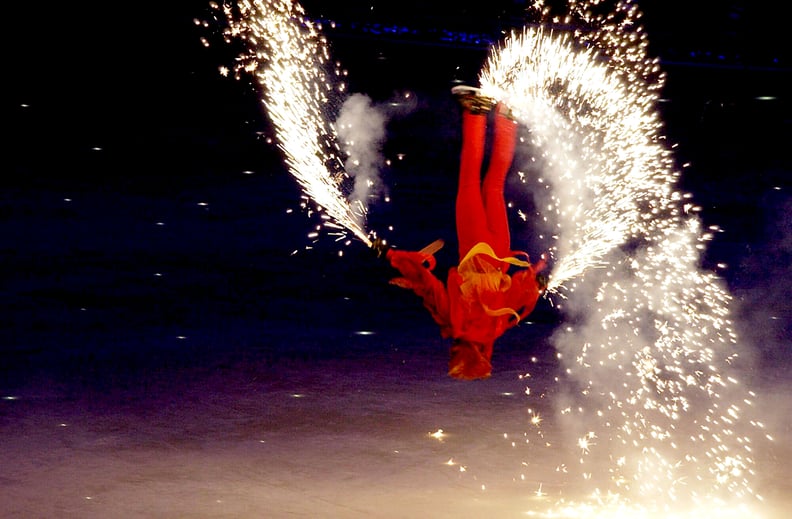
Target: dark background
[(142, 209)]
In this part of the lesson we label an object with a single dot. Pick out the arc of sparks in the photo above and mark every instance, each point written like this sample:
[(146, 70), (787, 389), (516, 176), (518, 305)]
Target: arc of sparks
[(289, 57), (652, 346), (598, 136)]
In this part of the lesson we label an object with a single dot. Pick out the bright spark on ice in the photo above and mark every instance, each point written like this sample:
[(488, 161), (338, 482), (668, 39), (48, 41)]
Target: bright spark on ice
[(438, 435)]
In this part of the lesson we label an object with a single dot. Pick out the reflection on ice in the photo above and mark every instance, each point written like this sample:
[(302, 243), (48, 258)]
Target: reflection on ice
[(382, 434)]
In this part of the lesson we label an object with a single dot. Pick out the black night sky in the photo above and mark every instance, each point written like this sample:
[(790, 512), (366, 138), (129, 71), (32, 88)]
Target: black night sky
[(161, 312)]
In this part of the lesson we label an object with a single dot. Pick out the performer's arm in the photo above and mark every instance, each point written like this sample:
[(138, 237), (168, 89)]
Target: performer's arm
[(418, 277)]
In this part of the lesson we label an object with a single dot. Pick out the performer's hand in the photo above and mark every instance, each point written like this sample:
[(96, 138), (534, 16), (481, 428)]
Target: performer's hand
[(402, 259), (542, 281), (539, 266), (380, 248)]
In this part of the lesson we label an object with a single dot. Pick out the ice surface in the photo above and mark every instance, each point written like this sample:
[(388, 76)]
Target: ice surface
[(351, 432)]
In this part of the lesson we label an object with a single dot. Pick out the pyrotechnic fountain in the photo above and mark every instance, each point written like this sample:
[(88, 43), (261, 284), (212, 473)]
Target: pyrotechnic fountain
[(290, 60), (651, 350), (649, 356)]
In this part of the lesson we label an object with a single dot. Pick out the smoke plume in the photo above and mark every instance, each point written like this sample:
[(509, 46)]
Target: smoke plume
[(361, 131)]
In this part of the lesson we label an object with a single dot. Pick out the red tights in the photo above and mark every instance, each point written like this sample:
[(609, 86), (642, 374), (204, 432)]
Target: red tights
[(480, 207)]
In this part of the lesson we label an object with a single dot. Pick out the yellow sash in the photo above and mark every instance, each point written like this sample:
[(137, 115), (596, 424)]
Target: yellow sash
[(479, 277)]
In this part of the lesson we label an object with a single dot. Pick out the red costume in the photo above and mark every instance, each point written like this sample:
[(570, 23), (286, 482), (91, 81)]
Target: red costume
[(480, 300)]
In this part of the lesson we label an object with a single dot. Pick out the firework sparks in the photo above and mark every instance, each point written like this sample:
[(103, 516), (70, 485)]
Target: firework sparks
[(653, 347), (585, 442), (599, 138), (438, 435), (290, 60)]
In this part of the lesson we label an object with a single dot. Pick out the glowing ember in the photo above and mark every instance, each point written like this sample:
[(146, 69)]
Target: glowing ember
[(438, 435)]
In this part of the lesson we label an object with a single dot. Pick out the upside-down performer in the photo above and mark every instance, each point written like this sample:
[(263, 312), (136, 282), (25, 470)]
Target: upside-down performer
[(481, 298)]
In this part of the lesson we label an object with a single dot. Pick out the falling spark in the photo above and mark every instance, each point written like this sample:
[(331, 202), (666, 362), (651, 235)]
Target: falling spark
[(438, 435), (585, 442)]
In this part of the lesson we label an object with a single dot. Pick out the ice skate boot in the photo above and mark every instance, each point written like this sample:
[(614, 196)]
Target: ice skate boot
[(473, 99), (504, 110)]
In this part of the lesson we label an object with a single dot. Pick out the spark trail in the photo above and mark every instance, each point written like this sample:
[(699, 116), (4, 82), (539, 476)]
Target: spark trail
[(289, 58), (652, 350)]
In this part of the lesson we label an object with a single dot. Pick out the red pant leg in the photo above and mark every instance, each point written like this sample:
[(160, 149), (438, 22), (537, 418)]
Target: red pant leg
[(471, 219), (481, 210), (503, 145)]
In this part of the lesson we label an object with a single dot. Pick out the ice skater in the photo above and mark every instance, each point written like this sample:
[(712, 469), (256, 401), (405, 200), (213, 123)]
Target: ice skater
[(481, 299)]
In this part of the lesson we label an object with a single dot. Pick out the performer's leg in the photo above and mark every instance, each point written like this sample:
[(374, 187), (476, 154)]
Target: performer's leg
[(503, 145), (471, 220)]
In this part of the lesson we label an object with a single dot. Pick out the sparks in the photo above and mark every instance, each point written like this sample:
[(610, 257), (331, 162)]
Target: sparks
[(438, 435), (585, 442), (654, 347), (289, 58)]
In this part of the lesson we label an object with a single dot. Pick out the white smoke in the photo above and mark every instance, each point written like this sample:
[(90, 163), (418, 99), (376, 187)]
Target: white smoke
[(361, 131)]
